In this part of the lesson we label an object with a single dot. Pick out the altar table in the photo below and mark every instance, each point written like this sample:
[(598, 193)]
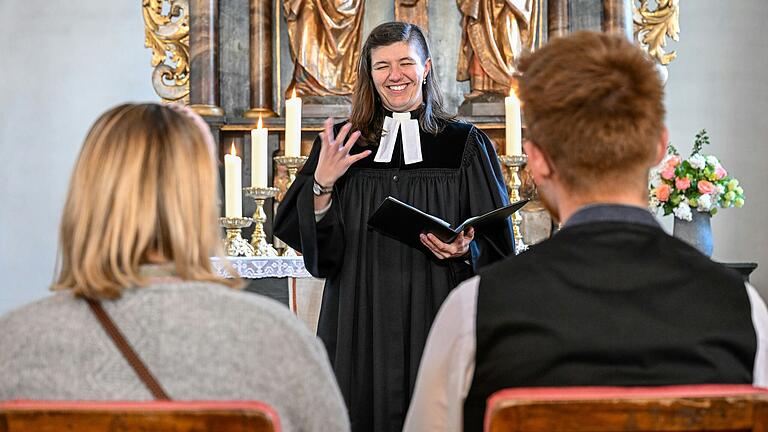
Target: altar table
[(283, 279)]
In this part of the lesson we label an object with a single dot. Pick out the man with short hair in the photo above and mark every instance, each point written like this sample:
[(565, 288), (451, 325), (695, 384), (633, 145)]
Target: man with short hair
[(611, 299)]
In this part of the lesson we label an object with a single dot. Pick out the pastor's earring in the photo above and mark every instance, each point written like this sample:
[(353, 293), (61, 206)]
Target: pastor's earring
[(424, 82)]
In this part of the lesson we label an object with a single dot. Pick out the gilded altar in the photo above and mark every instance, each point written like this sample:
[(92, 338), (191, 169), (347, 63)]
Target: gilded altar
[(237, 60)]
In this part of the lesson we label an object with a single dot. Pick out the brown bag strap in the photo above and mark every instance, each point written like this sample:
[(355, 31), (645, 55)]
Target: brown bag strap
[(127, 351)]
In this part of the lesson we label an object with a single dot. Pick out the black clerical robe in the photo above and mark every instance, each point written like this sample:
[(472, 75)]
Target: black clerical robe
[(381, 295)]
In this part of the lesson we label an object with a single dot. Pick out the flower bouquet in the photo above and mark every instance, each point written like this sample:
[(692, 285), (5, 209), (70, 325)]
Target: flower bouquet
[(699, 183)]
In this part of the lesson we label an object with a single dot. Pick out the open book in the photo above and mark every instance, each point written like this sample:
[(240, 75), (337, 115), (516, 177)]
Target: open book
[(403, 222)]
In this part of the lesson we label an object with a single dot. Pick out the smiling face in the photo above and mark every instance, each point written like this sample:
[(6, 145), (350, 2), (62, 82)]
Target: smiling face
[(398, 71)]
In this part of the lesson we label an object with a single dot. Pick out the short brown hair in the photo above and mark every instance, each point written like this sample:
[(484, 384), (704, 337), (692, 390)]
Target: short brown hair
[(145, 182), (593, 102), (367, 110)]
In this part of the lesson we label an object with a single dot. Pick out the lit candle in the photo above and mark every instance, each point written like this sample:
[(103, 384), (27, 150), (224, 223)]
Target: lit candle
[(259, 156), (514, 145), (233, 184), (293, 126)]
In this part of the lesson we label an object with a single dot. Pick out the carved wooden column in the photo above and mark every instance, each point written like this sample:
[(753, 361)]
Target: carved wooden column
[(203, 48), (617, 17), (557, 18), (261, 59)]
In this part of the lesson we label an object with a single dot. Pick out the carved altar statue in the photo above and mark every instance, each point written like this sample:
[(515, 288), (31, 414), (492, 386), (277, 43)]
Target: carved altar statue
[(414, 12), (325, 45), (494, 34)]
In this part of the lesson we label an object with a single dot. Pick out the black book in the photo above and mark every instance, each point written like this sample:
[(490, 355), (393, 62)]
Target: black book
[(403, 222)]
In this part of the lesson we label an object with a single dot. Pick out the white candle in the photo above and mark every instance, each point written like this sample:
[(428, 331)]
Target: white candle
[(293, 126), (259, 156), (233, 184), (514, 146)]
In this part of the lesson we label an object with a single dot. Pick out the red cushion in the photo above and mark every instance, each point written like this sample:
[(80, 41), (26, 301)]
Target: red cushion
[(576, 393)]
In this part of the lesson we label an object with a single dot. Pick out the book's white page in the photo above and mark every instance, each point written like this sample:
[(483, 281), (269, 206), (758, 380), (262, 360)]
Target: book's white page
[(473, 219)]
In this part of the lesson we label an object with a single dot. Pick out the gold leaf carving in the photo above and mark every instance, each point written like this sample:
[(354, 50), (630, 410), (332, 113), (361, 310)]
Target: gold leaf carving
[(653, 26), (166, 33)]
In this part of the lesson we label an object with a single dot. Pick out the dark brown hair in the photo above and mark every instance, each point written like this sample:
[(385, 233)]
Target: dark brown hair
[(367, 109), (593, 103)]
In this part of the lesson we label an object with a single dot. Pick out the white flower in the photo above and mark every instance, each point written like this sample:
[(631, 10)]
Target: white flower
[(711, 160), (683, 211), (705, 203), (653, 203), (655, 181), (720, 189), (697, 161)]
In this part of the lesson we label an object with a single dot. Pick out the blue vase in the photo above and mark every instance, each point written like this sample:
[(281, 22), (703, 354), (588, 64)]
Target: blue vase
[(697, 232)]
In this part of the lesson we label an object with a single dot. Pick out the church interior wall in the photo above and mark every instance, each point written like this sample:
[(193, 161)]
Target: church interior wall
[(718, 83), (62, 64)]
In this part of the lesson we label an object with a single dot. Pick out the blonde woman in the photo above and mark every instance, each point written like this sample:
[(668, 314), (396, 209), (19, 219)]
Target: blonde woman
[(137, 233)]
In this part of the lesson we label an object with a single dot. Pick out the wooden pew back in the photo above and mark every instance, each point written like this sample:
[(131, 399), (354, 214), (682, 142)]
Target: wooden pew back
[(176, 416), (614, 409)]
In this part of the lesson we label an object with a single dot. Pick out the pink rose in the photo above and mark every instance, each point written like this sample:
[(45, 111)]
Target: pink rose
[(682, 183), (706, 187), (673, 161), (668, 173), (662, 192), (720, 172)]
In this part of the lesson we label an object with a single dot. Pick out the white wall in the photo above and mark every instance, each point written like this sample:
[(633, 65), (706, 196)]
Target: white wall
[(62, 63), (719, 82)]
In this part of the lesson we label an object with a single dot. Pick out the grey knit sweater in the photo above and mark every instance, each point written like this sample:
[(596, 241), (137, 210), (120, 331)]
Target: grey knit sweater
[(202, 341)]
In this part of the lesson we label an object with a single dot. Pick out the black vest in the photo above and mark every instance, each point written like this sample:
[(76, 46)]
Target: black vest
[(609, 303)]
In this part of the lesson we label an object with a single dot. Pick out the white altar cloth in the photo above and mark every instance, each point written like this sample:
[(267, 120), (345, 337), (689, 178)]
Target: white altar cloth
[(264, 267)]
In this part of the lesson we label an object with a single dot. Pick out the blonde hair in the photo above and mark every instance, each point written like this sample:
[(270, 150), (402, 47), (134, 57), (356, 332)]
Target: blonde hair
[(593, 103), (145, 183)]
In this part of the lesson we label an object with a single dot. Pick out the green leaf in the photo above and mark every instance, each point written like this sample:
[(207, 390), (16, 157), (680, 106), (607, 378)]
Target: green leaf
[(701, 140), (671, 149)]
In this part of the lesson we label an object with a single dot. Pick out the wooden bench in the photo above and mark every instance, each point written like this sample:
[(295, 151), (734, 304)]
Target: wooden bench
[(176, 416), (620, 409)]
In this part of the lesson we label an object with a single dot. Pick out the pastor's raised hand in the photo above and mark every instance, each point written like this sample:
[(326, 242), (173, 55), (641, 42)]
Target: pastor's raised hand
[(335, 159)]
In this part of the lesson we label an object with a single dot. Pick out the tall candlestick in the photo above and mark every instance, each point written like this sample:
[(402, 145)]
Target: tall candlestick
[(233, 184), (515, 164), (514, 145), (293, 126), (259, 156)]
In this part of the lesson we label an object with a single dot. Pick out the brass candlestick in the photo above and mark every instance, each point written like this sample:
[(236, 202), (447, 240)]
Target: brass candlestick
[(234, 244), (514, 164), (259, 238), (293, 164)]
